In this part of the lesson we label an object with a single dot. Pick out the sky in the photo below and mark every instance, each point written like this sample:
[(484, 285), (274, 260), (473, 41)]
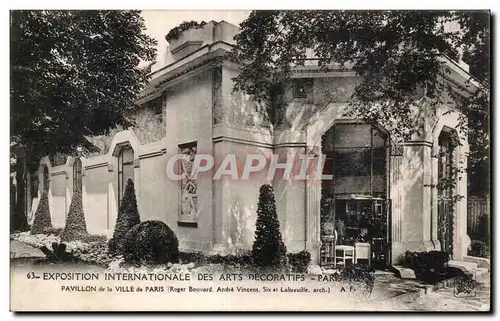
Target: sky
[(159, 22)]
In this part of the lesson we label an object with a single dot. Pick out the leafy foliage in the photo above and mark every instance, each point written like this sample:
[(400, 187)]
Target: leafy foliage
[(42, 221), (397, 54), (76, 228), (58, 253), (268, 248), (53, 231), (128, 217), (427, 262), (96, 252), (299, 261), (186, 25), (199, 258), (151, 242), (479, 249), (74, 73)]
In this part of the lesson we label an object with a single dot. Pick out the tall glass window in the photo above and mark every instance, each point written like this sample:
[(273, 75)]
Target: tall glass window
[(45, 178), (77, 175), (125, 169), (357, 158), (445, 191), (355, 200)]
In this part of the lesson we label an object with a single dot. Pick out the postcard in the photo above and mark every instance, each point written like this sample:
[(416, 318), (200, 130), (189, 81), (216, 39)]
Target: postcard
[(333, 160)]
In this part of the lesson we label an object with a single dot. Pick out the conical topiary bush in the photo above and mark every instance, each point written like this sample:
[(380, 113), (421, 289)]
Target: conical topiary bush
[(268, 248), (76, 228), (42, 219), (128, 217)]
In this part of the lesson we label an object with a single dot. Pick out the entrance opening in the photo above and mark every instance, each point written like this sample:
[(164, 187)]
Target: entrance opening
[(446, 180), (354, 204), (46, 179), (125, 170)]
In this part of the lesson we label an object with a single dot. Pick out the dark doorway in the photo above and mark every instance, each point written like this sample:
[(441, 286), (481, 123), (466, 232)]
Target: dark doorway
[(355, 200), (446, 183)]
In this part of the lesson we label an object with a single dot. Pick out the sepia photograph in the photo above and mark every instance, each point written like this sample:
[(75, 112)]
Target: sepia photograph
[(250, 160)]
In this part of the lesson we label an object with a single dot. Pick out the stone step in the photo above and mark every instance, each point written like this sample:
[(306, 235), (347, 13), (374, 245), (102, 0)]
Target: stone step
[(481, 274), (464, 266), (403, 272), (480, 261)]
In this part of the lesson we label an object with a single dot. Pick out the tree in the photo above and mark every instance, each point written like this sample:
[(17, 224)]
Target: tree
[(42, 221), (128, 217), (76, 228), (74, 74), (268, 249), (396, 54)]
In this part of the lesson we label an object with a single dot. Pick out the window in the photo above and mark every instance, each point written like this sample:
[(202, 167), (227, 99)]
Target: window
[(357, 160), (77, 175), (46, 178), (446, 178), (445, 161), (302, 87), (356, 157), (125, 169)]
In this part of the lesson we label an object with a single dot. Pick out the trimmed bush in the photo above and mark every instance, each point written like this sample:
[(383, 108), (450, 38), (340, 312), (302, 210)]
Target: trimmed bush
[(478, 249), (42, 219), (75, 228), (360, 274), (268, 248), (424, 263), (299, 261), (128, 217), (151, 242)]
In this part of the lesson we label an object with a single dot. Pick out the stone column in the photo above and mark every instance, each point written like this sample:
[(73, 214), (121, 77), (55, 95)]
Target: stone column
[(415, 187), (396, 193), (460, 243), (313, 219), (290, 197)]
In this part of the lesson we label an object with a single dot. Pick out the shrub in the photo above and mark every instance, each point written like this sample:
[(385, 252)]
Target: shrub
[(427, 262), (151, 242), (201, 258), (42, 219), (95, 238), (268, 248), (128, 217), (478, 249), (186, 25), (58, 253), (359, 274), (75, 228), (53, 231), (95, 253), (299, 261)]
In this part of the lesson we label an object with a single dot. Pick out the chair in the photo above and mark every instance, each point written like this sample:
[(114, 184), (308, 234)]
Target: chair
[(362, 251), (329, 240), (346, 255)]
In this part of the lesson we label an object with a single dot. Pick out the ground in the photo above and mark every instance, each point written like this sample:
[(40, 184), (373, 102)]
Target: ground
[(389, 293), (446, 300)]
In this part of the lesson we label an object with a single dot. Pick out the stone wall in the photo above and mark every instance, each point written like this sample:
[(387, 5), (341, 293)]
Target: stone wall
[(150, 122)]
